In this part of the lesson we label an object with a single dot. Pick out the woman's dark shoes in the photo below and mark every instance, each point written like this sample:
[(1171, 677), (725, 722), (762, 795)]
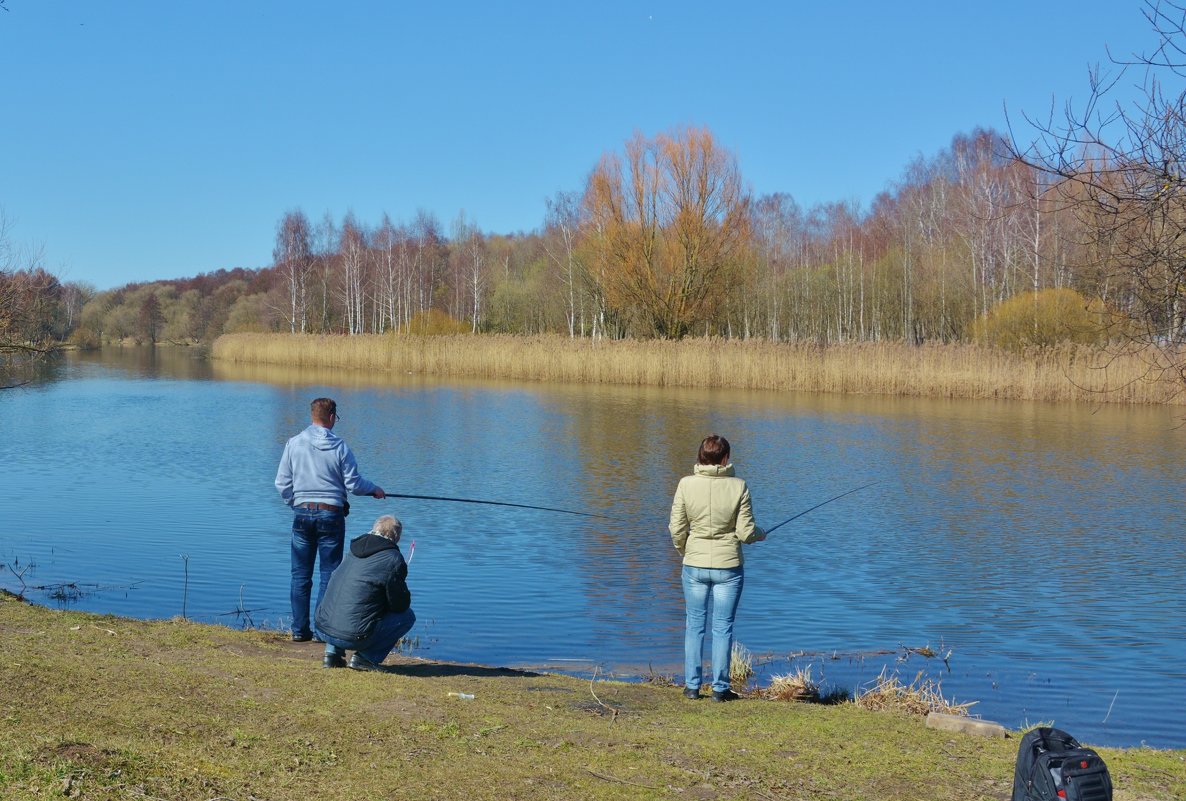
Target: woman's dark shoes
[(301, 637), (692, 694), (360, 662), (334, 661), (724, 695)]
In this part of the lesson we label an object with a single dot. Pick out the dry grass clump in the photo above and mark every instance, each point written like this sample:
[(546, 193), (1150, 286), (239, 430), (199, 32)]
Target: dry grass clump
[(921, 696), (795, 686), (1054, 373), (657, 679), (741, 666)]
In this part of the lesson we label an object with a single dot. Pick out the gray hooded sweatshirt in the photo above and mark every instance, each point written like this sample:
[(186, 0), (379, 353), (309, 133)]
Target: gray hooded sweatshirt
[(318, 467)]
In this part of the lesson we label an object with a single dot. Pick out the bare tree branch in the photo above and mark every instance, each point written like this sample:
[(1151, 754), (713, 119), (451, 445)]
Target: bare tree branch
[(1119, 167)]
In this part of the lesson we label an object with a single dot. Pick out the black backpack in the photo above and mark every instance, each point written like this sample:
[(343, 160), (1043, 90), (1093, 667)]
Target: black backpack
[(1051, 765)]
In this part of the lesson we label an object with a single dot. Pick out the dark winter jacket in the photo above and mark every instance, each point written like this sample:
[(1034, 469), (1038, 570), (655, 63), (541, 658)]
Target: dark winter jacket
[(370, 582)]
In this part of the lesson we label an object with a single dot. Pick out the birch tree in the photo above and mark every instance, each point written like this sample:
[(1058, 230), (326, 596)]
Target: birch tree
[(561, 230), (470, 256), (352, 254), (293, 259)]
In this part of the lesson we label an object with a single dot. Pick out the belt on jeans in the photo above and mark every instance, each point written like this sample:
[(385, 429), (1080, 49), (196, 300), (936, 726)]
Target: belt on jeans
[(324, 507)]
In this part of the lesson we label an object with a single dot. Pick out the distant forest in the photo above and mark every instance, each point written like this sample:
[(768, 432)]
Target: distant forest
[(1078, 235), (664, 241)]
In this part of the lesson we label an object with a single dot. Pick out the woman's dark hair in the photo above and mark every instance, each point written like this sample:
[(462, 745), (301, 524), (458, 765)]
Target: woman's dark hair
[(714, 450)]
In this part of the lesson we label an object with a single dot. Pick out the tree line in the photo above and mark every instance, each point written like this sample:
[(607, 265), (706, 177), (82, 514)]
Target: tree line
[(1075, 236), (665, 240)]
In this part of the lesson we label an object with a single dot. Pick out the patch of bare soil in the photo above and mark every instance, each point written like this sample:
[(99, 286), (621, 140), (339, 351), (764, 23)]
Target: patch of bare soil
[(84, 755), (298, 650), (424, 668)]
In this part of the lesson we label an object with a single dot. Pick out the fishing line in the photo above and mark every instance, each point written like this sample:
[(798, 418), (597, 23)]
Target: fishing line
[(818, 505), (494, 503)]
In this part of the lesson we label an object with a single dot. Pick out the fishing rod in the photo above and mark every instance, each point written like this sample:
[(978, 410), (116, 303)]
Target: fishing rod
[(818, 505), (493, 503)]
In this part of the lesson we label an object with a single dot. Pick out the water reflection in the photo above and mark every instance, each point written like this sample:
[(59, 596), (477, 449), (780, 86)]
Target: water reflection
[(181, 363), (1039, 543)]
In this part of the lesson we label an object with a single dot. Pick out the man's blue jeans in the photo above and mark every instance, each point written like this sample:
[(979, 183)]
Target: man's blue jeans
[(724, 586), (388, 629), (316, 534)]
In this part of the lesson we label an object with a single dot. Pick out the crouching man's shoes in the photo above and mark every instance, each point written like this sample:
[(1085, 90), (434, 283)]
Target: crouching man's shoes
[(334, 661), (724, 695), (360, 662)]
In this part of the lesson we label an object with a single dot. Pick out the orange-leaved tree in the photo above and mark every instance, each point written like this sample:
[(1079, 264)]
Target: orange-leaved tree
[(669, 224)]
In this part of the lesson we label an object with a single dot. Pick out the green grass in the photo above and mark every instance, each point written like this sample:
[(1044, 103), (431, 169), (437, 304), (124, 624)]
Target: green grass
[(97, 707)]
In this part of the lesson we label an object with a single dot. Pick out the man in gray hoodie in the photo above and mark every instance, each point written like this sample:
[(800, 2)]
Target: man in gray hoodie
[(316, 472)]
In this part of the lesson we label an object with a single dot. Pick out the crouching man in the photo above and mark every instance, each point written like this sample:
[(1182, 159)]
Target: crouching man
[(367, 605)]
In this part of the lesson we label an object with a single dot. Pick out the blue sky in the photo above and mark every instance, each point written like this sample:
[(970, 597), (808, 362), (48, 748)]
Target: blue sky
[(146, 139)]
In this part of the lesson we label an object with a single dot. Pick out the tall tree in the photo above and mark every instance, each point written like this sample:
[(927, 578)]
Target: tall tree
[(669, 223), (469, 256), (1119, 167), (352, 255), (29, 302), (561, 229), (293, 258), (150, 317), (778, 231), (390, 249), (429, 254)]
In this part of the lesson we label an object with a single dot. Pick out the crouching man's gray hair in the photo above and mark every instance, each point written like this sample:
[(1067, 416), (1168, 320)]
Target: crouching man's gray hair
[(388, 526)]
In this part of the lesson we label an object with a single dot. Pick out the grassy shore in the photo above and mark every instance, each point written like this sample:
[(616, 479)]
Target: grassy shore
[(98, 707), (1071, 373)]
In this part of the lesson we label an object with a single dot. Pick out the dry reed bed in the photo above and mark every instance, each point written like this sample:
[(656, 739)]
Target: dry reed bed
[(1068, 373), (919, 697)]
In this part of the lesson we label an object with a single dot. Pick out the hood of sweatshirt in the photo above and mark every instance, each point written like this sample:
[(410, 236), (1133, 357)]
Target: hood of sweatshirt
[(713, 470), (323, 439), (370, 544)]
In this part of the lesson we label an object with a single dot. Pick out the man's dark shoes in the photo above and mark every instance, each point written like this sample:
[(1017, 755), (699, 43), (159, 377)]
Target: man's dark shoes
[(301, 637), (724, 695), (334, 661), (692, 694), (360, 662)]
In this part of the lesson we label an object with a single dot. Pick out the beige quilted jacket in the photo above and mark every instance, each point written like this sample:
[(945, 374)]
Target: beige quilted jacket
[(711, 517)]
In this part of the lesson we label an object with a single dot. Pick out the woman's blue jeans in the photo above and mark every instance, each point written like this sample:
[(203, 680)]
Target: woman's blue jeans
[(723, 585), (317, 534), (387, 632)]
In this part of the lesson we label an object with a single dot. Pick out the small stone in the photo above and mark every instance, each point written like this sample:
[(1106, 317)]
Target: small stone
[(959, 723)]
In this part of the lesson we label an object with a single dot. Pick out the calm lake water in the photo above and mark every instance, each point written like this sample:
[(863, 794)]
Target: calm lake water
[(1041, 545)]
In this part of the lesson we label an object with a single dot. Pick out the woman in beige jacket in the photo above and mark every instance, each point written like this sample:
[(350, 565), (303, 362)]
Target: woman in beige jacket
[(711, 518)]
